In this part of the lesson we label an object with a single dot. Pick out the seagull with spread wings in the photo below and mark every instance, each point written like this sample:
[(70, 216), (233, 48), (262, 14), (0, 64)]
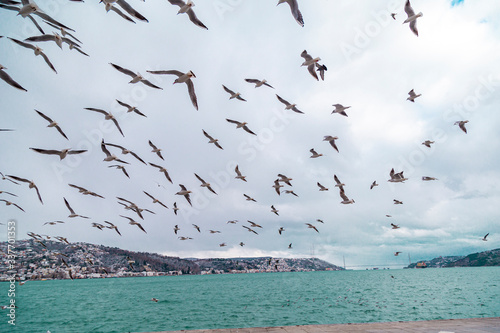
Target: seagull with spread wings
[(37, 50), (155, 149), (412, 96), (294, 7), (84, 191), (131, 108), (182, 78), (239, 174), (162, 170), (186, 7), (107, 116), (331, 140), (205, 184), (110, 157), (345, 199), (412, 17), (212, 140), (112, 226), (73, 214), (249, 198), (340, 109), (259, 83), (310, 62), (155, 200), (309, 225), (241, 125), (31, 185), (126, 7), (52, 123), (135, 77), (61, 153), (131, 221), (9, 203), (233, 94), (185, 193), (277, 186), (288, 105), (314, 153), (120, 167), (461, 124), (125, 151)]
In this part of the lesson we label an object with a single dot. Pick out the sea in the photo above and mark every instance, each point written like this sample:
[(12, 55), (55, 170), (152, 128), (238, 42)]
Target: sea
[(191, 302)]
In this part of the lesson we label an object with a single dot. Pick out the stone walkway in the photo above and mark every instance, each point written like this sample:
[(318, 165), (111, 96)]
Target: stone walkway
[(473, 325)]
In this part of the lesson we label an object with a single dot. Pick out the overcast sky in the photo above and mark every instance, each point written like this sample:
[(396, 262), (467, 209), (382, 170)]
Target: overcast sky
[(373, 62)]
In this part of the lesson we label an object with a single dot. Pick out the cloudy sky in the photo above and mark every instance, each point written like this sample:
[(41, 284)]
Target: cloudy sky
[(373, 62)]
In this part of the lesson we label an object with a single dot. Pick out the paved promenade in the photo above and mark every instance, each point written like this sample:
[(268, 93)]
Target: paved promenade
[(474, 325)]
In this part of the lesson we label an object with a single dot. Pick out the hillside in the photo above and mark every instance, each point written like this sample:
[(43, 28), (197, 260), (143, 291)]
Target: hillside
[(486, 258)]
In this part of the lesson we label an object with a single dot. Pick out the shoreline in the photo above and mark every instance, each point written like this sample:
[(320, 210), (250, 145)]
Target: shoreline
[(477, 325)]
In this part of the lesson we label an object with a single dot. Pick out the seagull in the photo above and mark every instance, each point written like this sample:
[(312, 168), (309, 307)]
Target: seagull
[(182, 78), (132, 206), (233, 94), (249, 198), (331, 140), (290, 245), (254, 225), (120, 167), (259, 83), (277, 186), (98, 226), (63, 31), (320, 221), (162, 169), (427, 143), (110, 157), (397, 253), (155, 200), (31, 185), (205, 184), (412, 96), (176, 229), (84, 191), (55, 37), (37, 50), (52, 124), (321, 69), (396, 177), (280, 230), (133, 222), (6, 77), (222, 244), (135, 77), (285, 179), (175, 209), (484, 238), (310, 62), (61, 153), (291, 192), (131, 108), (338, 184), (9, 203), (294, 7), (274, 210), (373, 184), (242, 244), (73, 214), (412, 18), (387, 215), (345, 199), (184, 238), (107, 116), (461, 124), (112, 226), (156, 150), (314, 153), (395, 226), (393, 15), (340, 109), (239, 175), (288, 106), (232, 222), (126, 7), (398, 202), (125, 151), (185, 193), (212, 140), (426, 178), (196, 227), (321, 187), (110, 6), (241, 125), (309, 225), (187, 8)]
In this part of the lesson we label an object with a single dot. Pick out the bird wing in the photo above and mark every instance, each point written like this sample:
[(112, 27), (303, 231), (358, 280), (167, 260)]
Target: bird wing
[(248, 130), (23, 44), (69, 207), (228, 90), (6, 77), (123, 104), (167, 176), (74, 152), (337, 180), (61, 131), (332, 143), (44, 116), (311, 70), (194, 19), (343, 196), (137, 157), (408, 9), (200, 179), (207, 135), (117, 126), (218, 145), (46, 151), (44, 56), (233, 121), (294, 7), (148, 83), (413, 27), (172, 72), (123, 70), (131, 10), (192, 94), (97, 110), (104, 149), (306, 55), (119, 12), (252, 80), (282, 100)]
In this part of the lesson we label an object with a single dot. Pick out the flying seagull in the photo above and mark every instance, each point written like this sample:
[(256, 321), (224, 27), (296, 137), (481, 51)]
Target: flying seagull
[(280, 230), (135, 77), (126, 7), (238, 174), (345, 199), (396, 177), (309, 225), (112, 226), (241, 125), (107, 116), (110, 157), (73, 214), (427, 178), (412, 96), (484, 238), (155, 150), (61, 153), (185, 193), (412, 17), (285, 179), (205, 184), (461, 124), (30, 182), (84, 191), (233, 94), (133, 222), (314, 153), (427, 143), (275, 211), (254, 225), (250, 229), (37, 50), (321, 187), (294, 7), (175, 209), (55, 37), (340, 109), (373, 184), (52, 124), (131, 108), (321, 69), (288, 106), (331, 140), (163, 170), (9, 203), (259, 83), (310, 62), (249, 198), (6, 77), (398, 202), (155, 200), (338, 183), (395, 226), (277, 186), (125, 151), (182, 78), (212, 140), (187, 8), (120, 167)]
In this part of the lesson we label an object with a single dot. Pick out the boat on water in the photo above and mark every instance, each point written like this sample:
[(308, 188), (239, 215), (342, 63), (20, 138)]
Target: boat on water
[(421, 264)]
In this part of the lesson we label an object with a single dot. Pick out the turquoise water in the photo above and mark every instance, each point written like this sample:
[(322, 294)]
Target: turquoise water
[(252, 300)]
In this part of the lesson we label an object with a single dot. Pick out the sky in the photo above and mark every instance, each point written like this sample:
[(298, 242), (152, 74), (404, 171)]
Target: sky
[(373, 61)]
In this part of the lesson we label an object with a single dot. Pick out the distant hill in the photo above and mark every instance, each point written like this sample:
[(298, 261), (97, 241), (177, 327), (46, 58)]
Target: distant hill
[(59, 260), (486, 258)]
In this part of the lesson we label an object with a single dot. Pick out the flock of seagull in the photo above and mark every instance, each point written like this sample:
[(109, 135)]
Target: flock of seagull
[(281, 185)]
